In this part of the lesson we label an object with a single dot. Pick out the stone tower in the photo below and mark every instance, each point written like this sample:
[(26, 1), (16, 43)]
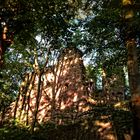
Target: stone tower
[(62, 91)]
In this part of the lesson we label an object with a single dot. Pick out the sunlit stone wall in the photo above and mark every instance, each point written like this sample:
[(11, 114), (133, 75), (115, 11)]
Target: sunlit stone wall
[(62, 91), (70, 78)]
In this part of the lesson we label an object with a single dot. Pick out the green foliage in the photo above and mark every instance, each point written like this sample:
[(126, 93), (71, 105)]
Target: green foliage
[(91, 72), (99, 34), (14, 132), (85, 128)]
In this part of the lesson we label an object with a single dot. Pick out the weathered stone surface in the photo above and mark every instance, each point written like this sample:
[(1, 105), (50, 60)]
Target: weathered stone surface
[(62, 95)]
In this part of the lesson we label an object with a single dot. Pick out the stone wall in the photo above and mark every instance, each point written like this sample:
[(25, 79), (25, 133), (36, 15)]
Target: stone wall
[(62, 91)]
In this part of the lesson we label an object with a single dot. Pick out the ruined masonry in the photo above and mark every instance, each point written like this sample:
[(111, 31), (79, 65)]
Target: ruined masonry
[(62, 92)]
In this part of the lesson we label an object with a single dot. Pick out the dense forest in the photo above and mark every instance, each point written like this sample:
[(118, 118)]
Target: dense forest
[(69, 70)]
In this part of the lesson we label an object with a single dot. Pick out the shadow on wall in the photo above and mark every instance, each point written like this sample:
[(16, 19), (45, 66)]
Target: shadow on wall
[(100, 123), (64, 111), (62, 92)]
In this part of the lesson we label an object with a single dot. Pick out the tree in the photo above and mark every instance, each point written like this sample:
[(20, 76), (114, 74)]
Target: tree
[(46, 20), (117, 26), (106, 28), (132, 62)]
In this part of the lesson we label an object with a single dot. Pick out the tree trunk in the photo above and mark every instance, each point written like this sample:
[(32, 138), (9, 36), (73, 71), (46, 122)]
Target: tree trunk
[(132, 63), (37, 102), (16, 105), (33, 75), (134, 83), (23, 91)]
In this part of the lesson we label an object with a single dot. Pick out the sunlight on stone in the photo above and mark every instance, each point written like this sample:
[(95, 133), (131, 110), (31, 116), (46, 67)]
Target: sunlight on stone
[(50, 77), (62, 106), (62, 86), (103, 125), (75, 97), (111, 137), (76, 60), (105, 130), (48, 91), (92, 101)]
